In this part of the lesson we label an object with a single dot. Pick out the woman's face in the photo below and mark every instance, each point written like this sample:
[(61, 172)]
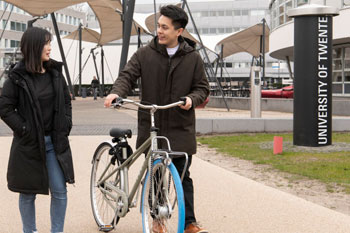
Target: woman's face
[(45, 55)]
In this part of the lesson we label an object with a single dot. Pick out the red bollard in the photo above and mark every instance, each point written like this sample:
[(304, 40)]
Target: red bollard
[(277, 145)]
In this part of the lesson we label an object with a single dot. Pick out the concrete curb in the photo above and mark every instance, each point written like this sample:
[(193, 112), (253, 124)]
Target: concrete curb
[(258, 125), (209, 126)]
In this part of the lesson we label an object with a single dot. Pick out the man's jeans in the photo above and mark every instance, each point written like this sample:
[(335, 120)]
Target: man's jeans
[(187, 185), (58, 191)]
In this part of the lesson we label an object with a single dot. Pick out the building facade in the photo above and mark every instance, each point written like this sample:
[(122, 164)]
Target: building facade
[(283, 27)]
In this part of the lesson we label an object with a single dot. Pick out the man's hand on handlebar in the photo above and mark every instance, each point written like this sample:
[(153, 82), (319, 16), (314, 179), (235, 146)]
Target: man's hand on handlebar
[(109, 99), (188, 104)]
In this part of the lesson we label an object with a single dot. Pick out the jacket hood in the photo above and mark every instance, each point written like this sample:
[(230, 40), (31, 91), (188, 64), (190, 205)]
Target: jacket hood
[(185, 45)]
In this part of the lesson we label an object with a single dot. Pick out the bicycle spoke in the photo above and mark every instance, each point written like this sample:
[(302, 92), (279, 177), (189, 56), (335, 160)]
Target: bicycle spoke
[(103, 205), (163, 212)]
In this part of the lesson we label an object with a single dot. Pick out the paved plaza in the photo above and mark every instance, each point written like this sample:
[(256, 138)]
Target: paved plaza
[(225, 202), (91, 118)]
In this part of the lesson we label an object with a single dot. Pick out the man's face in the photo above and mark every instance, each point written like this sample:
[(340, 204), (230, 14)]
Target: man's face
[(167, 33)]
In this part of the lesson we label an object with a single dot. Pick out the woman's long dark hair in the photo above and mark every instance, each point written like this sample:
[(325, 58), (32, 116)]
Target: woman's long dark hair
[(32, 45)]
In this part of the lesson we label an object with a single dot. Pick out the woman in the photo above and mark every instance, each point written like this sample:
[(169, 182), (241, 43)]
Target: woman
[(36, 105)]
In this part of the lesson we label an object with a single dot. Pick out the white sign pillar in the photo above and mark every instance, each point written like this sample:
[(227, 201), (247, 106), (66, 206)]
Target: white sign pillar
[(255, 92)]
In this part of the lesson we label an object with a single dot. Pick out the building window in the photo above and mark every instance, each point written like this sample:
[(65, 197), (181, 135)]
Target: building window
[(14, 43), (13, 26), (228, 13), (301, 2), (221, 13), (16, 26), (204, 13), (212, 30), (341, 70), (4, 24), (236, 12), (221, 30), (245, 12), (212, 13), (228, 30), (194, 14)]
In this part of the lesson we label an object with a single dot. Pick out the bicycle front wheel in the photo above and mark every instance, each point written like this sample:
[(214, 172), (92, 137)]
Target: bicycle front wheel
[(163, 206), (103, 206)]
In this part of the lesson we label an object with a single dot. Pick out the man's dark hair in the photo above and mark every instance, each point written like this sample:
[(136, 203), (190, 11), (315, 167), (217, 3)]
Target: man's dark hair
[(32, 45), (176, 14)]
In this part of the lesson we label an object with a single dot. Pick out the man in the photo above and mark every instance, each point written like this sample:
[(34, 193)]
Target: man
[(169, 68), (94, 85)]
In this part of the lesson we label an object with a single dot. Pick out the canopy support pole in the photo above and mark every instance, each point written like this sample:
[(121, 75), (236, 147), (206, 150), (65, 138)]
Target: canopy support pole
[(62, 54), (96, 70), (102, 72), (222, 62), (128, 7), (80, 42), (263, 50)]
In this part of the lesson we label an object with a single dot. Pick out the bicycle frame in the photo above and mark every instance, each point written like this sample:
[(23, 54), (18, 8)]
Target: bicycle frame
[(150, 143), (125, 167)]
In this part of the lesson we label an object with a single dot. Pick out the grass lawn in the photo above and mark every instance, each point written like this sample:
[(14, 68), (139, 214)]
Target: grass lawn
[(328, 167)]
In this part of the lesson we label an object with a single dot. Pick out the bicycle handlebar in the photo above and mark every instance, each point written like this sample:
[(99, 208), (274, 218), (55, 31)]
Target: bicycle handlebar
[(120, 101)]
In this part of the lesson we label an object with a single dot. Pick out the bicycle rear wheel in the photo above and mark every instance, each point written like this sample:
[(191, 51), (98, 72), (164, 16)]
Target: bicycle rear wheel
[(103, 206), (162, 202)]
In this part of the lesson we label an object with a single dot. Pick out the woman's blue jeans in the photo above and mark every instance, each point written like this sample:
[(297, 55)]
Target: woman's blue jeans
[(58, 192)]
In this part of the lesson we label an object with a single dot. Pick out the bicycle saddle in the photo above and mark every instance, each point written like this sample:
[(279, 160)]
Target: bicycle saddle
[(117, 133)]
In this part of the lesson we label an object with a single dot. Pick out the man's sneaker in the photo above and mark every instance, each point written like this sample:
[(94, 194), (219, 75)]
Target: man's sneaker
[(158, 226), (195, 228)]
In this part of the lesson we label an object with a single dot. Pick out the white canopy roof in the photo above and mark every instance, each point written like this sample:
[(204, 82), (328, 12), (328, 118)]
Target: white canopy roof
[(247, 40), (87, 35), (43, 7), (105, 11), (93, 36)]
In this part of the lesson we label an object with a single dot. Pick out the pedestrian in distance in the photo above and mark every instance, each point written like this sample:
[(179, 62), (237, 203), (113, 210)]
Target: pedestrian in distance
[(170, 68), (94, 85), (36, 105)]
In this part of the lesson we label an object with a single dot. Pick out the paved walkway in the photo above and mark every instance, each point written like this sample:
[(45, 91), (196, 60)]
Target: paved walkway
[(225, 202)]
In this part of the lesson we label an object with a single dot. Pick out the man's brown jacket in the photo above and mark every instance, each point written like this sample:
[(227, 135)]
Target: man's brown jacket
[(163, 81)]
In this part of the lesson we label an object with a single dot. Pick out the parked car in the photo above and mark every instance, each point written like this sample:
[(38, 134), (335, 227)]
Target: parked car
[(285, 92)]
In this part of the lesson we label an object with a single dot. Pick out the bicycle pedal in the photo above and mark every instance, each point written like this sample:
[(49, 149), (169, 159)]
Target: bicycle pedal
[(106, 228)]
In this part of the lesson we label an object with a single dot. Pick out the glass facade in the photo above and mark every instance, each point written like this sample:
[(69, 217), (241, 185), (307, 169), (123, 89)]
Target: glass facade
[(341, 70), (279, 8)]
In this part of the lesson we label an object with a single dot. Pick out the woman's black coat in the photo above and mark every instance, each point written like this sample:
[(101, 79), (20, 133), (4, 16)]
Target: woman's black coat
[(20, 110)]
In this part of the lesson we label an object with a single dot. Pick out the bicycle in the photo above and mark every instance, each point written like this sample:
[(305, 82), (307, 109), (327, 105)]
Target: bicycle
[(162, 199)]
